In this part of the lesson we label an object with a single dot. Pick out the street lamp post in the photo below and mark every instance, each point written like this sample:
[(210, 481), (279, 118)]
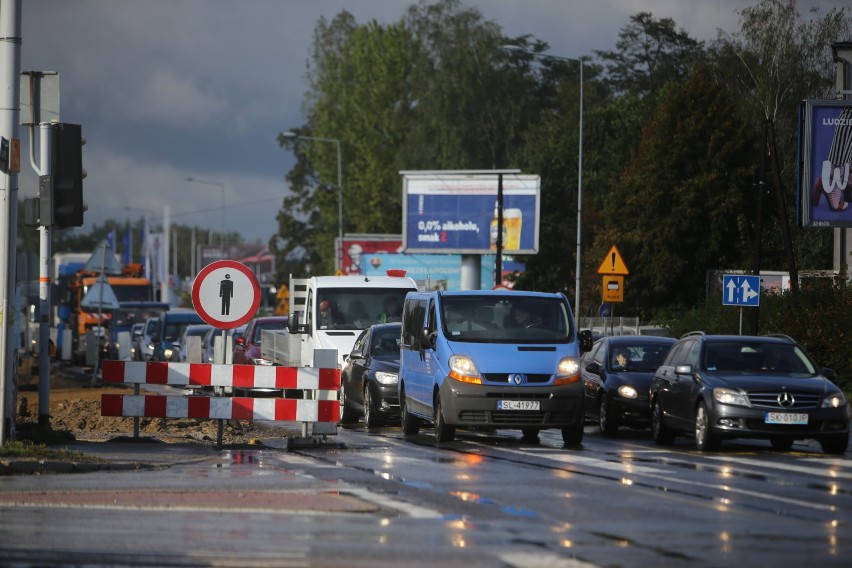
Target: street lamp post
[(222, 185), (339, 179), (518, 48)]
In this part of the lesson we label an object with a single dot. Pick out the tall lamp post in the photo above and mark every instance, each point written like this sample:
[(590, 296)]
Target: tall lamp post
[(339, 179), (519, 49), (218, 184)]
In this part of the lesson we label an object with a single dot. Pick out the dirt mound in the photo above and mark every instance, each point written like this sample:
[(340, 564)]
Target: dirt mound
[(75, 409)]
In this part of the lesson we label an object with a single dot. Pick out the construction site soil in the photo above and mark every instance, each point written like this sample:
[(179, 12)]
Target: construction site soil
[(75, 414)]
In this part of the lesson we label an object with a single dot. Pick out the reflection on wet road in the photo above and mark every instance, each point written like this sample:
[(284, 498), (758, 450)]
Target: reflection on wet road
[(486, 499)]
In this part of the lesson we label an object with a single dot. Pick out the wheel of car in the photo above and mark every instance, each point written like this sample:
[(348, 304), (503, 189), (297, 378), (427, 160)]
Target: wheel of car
[(835, 445), (659, 432), (443, 431), (705, 440), (410, 424), (371, 417), (347, 415), (781, 444), (607, 421), (573, 435), (529, 434)]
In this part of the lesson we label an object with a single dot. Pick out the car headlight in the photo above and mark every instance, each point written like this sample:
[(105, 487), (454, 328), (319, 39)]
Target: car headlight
[(730, 396), (567, 371), (387, 378), (836, 400), (260, 361), (462, 368), (627, 391)]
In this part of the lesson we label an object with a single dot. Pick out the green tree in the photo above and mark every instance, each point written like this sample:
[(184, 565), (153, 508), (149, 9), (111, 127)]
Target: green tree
[(433, 91), (775, 60), (679, 206)]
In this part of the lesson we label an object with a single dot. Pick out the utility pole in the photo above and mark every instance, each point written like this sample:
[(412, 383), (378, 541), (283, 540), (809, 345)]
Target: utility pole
[(10, 103)]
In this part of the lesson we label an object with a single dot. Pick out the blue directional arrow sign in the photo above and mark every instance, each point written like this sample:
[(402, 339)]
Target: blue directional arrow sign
[(740, 290)]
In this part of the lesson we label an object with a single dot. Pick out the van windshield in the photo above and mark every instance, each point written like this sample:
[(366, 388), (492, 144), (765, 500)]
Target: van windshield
[(358, 308), (512, 318)]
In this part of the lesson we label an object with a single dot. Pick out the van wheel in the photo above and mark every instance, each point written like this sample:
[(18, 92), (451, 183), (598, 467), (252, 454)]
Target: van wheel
[(573, 435), (443, 431), (410, 424), (529, 435)]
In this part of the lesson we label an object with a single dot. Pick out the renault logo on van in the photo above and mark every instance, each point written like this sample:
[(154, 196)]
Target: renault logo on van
[(517, 378)]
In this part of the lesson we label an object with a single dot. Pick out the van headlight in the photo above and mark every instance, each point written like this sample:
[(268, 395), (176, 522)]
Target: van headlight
[(567, 371), (463, 369)]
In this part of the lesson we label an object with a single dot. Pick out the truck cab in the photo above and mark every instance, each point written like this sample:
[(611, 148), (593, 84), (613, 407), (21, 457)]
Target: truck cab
[(329, 312)]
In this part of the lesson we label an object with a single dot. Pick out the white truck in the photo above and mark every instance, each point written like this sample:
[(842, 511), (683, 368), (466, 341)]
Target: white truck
[(352, 304)]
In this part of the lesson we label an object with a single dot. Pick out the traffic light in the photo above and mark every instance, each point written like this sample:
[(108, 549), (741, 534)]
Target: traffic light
[(61, 192)]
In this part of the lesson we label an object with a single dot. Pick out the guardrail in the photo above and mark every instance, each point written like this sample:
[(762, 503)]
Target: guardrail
[(317, 408)]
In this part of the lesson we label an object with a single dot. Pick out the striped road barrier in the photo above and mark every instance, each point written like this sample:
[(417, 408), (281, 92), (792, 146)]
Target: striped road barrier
[(318, 405)]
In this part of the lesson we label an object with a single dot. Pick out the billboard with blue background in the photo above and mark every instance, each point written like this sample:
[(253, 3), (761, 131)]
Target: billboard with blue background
[(455, 213)]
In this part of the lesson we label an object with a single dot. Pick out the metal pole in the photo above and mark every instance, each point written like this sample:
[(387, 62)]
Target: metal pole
[(10, 64), (339, 208), (579, 206), (44, 290)]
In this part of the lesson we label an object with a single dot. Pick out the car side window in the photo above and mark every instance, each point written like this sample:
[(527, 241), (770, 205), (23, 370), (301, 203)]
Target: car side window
[(673, 356), (588, 357), (689, 354), (361, 341)]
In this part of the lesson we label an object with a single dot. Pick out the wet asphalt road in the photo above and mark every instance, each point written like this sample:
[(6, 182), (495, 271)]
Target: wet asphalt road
[(487, 499)]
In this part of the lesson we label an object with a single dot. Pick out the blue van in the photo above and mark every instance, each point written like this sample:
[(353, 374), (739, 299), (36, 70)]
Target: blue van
[(493, 358)]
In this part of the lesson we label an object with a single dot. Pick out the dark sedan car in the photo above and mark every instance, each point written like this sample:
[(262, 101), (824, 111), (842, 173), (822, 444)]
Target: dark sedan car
[(368, 381), (733, 386), (247, 346), (617, 376)]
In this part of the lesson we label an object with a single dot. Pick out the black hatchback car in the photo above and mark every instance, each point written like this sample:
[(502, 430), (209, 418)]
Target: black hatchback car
[(368, 381), (617, 375), (732, 386)]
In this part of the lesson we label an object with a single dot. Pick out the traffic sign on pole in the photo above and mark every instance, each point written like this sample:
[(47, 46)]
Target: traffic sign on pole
[(226, 294), (613, 263), (740, 290)]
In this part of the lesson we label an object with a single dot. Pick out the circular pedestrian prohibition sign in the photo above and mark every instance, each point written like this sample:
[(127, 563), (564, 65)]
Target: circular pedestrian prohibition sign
[(226, 294)]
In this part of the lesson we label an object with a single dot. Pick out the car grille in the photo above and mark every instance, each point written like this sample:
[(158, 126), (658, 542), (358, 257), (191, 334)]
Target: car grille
[(504, 378), (514, 417), (769, 400), (518, 395)]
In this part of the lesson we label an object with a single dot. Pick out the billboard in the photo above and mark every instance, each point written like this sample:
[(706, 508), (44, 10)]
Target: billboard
[(438, 271), (456, 212), (825, 157), (355, 246)]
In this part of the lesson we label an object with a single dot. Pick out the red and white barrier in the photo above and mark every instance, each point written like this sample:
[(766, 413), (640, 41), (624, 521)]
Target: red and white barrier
[(209, 375), (221, 408), (318, 407)]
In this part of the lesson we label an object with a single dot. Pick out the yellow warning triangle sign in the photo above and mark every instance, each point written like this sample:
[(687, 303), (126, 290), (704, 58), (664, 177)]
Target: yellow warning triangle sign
[(613, 263)]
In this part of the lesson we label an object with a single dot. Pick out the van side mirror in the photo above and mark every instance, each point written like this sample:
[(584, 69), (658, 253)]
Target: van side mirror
[(296, 326), (585, 340), (427, 338)]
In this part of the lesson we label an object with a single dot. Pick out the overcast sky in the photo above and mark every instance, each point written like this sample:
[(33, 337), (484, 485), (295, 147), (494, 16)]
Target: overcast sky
[(170, 89)]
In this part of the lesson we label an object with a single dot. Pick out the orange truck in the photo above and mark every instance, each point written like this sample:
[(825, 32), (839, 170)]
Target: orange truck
[(129, 286)]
